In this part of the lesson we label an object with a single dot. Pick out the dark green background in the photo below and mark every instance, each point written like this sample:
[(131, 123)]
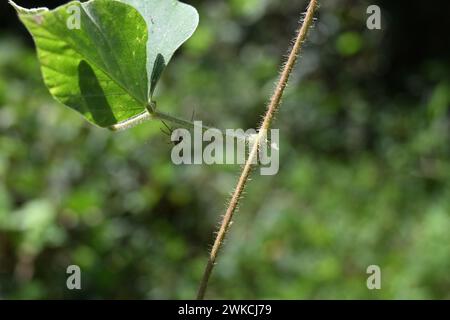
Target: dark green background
[(364, 176)]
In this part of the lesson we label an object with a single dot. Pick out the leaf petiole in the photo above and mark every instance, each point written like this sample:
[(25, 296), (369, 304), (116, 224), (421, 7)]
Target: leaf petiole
[(152, 113)]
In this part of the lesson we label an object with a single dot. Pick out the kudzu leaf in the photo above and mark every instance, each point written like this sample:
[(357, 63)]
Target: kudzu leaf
[(107, 69), (99, 69), (170, 23)]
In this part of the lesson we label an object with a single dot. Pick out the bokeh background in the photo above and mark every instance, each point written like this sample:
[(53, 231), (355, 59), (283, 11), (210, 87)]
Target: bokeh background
[(364, 176)]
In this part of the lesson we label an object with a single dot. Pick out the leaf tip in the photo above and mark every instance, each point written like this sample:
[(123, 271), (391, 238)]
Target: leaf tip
[(22, 10), (15, 6)]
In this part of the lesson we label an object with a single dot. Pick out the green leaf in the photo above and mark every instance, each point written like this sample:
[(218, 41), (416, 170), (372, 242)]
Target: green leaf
[(108, 68), (99, 69), (170, 23)]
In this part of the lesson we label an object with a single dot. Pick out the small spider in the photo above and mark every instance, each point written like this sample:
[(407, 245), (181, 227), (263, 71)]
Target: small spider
[(169, 131)]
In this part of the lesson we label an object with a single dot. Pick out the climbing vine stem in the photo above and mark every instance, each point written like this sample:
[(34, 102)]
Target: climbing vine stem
[(272, 108)]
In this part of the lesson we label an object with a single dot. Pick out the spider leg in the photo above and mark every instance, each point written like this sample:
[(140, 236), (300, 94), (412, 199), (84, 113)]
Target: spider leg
[(169, 129), (165, 131)]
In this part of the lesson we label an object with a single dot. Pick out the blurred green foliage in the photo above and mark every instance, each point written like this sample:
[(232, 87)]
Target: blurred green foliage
[(364, 177)]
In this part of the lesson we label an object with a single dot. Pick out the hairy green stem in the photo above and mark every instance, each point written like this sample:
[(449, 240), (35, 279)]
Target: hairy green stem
[(273, 107)]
